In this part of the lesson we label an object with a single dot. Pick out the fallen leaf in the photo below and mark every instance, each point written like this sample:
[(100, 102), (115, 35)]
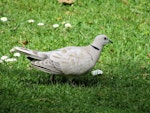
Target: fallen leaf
[(143, 67), (25, 42), (90, 22), (125, 2), (59, 18), (66, 1), (1, 31), (68, 12), (112, 50), (149, 55), (146, 74)]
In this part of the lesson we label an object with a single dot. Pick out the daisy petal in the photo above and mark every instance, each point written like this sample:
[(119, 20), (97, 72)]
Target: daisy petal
[(17, 54), (40, 24), (96, 72), (1, 61), (12, 50), (11, 60), (4, 57), (4, 19), (31, 21), (55, 25), (68, 25)]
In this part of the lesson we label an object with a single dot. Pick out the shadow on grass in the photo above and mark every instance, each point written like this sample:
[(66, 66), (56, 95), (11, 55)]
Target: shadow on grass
[(33, 76)]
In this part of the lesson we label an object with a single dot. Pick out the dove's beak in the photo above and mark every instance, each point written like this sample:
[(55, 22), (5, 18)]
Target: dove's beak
[(110, 41)]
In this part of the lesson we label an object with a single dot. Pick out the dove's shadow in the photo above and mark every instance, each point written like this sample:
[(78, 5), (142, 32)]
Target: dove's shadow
[(84, 81), (33, 76)]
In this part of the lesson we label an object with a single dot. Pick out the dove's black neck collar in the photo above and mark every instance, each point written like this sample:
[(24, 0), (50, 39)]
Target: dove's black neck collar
[(95, 47)]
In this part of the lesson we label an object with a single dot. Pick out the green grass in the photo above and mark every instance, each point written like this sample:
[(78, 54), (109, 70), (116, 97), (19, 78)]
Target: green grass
[(124, 86)]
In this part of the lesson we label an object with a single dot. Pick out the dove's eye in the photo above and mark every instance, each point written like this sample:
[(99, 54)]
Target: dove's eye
[(105, 38)]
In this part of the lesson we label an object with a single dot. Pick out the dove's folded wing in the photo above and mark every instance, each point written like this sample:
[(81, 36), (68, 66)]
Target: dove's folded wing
[(48, 66), (70, 60), (73, 60)]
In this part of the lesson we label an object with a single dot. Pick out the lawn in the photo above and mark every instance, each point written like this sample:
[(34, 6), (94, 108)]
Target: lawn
[(122, 88)]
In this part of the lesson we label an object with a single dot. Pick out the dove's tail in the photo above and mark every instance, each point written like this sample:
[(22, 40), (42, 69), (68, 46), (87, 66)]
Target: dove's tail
[(31, 54)]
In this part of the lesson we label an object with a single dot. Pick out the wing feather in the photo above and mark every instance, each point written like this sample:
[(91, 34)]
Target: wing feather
[(48, 66)]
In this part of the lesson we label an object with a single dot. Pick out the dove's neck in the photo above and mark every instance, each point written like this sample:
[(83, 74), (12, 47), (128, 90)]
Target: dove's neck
[(97, 45), (96, 52), (96, 48)]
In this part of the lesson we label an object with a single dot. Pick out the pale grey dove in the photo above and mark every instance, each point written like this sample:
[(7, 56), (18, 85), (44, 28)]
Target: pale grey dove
[(69, 61)]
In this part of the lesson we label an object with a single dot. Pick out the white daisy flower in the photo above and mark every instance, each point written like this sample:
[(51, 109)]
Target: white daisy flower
[(16, 55), (4, 19), (12, 50), (97, 72), (1, 61), (4, 57), (11, 60), (68, 25), (55, 25), (40, 24), (31, 21)]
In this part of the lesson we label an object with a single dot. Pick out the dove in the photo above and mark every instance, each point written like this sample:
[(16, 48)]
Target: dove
[(70, 62)]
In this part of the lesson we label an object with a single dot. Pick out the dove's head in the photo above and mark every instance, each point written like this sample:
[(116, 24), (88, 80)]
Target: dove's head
[(101, 40)]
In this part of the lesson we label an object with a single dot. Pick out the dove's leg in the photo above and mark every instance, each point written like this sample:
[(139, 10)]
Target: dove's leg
[(72, 82), (52, 78)]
